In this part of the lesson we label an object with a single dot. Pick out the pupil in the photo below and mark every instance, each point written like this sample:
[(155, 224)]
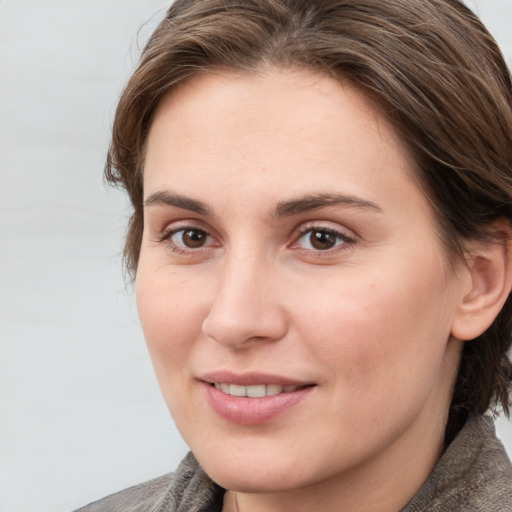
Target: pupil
[(322, 240), (193, 238)]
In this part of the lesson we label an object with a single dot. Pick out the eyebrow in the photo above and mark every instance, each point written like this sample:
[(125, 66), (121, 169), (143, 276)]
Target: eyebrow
[(316, 201), (283, 208), (170, 199)]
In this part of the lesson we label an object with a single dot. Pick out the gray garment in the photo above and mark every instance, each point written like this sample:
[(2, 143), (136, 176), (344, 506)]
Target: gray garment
[(188, 489), (473, 475)]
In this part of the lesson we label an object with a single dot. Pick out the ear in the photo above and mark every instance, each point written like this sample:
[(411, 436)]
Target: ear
[(488, 282)]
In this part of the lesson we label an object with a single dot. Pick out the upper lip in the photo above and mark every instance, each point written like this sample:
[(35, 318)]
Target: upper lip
[(250, 379)]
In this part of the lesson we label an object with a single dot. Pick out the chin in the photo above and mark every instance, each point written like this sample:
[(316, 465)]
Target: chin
[(267, 464), (247, 478)]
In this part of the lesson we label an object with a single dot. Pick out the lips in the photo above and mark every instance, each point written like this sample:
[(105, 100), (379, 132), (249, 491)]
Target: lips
[(252, 399), (250, 379)]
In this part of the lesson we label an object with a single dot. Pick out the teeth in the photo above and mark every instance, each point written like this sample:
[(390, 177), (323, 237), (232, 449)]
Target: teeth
[(258, 391), (274, 389), (235, 390)]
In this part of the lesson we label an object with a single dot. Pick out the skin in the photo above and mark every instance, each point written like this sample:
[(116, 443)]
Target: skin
[(370, 321)]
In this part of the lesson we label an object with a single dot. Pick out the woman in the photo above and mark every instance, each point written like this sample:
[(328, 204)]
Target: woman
[(321, 244)]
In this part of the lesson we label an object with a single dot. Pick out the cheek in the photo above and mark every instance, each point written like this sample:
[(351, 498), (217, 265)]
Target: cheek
[(380, 335), (171, 318)]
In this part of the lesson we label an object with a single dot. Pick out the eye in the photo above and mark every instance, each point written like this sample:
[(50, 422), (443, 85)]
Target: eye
[(189, 238), (322, 239)]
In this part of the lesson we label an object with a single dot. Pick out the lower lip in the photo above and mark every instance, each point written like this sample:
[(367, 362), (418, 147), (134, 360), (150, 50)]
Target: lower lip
[(252, 411)]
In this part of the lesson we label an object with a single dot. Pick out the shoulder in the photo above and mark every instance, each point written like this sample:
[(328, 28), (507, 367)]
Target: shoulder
[(189, 489), (143, 497), (473, 475)]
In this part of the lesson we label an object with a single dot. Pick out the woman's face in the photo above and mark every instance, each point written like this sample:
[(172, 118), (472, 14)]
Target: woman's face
[(288, 255)]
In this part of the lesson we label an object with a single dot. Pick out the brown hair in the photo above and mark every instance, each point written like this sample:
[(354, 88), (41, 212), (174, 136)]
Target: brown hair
[(431, 63)]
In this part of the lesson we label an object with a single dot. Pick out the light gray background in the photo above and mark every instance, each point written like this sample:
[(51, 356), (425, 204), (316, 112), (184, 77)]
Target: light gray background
[(81, 415)]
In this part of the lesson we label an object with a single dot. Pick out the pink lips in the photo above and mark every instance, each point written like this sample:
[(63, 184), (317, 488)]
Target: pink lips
[(252, 411)]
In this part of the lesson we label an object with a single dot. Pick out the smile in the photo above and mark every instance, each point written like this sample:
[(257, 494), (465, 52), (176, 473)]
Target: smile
[(256, 391), (254, 404)]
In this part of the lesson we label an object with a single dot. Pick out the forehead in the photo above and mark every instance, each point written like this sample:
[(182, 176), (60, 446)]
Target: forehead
[(279, 128), (290, 101)]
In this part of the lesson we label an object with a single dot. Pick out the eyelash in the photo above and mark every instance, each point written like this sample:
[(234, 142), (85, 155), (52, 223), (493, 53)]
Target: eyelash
[(342, 240), (167, 235)]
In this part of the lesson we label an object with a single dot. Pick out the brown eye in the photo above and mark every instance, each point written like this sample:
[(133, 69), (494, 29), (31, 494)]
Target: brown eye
[(190, 238), (322, 239)]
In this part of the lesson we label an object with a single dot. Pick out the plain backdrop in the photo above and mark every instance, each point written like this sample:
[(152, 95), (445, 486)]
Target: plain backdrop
[(81, 414)]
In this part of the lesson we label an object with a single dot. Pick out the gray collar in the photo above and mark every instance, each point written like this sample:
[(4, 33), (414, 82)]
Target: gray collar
[(473, 475)]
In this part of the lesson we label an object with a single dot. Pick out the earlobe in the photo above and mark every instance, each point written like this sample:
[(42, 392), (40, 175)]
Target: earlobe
[(489, 273)]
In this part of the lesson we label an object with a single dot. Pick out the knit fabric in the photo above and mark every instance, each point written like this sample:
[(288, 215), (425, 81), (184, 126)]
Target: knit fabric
[(473, 475)]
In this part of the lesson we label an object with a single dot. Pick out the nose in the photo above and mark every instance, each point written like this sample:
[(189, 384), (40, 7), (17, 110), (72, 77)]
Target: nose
[(245, 308)]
